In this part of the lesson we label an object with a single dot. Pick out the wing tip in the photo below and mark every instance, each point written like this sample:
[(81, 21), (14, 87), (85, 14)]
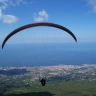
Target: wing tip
[(76, 40), (2, 46)]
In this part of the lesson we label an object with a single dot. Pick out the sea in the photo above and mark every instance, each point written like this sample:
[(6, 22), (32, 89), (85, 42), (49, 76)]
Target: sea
[(47, 54)]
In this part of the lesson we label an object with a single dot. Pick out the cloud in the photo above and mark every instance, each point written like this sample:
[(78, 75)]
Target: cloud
[(8, 18), (7, 3), (42, 16), (92, 4)]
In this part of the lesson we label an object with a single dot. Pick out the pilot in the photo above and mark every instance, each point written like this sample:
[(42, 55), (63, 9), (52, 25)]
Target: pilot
[(43, 81)]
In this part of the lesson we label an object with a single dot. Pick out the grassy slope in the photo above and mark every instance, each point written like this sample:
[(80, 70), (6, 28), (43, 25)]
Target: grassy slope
[(68, 88)]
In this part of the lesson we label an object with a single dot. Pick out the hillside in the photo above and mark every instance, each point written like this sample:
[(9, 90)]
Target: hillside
[(64, 88)]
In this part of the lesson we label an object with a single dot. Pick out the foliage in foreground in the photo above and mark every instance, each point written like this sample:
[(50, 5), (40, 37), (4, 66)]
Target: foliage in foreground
[(60, 88)]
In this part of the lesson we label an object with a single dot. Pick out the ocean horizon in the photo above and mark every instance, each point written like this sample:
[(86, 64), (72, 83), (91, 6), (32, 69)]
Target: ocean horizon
[(48, 54)]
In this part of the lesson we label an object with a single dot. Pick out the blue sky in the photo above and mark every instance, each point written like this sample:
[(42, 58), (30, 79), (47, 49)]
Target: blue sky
[(77, 15)]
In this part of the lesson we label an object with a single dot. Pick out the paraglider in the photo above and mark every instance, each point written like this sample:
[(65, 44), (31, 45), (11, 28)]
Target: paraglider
[(35, 25), (43, 81)]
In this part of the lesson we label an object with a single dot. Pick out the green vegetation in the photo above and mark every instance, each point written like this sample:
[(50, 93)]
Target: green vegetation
[(61, 88), (80, 81)]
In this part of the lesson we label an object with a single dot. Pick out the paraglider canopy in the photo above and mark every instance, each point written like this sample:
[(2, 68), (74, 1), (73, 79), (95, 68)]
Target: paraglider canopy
[(35, 25)]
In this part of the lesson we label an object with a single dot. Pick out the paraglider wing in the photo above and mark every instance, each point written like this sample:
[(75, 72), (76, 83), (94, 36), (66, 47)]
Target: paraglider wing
[(35, 25)]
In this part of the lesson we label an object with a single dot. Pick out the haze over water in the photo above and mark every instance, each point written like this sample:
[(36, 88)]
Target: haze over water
[(44, 54)]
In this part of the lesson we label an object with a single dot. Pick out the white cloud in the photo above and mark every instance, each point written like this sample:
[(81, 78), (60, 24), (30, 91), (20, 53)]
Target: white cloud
[(92, 4), (42, 16), (8, 18), (7, 3)]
